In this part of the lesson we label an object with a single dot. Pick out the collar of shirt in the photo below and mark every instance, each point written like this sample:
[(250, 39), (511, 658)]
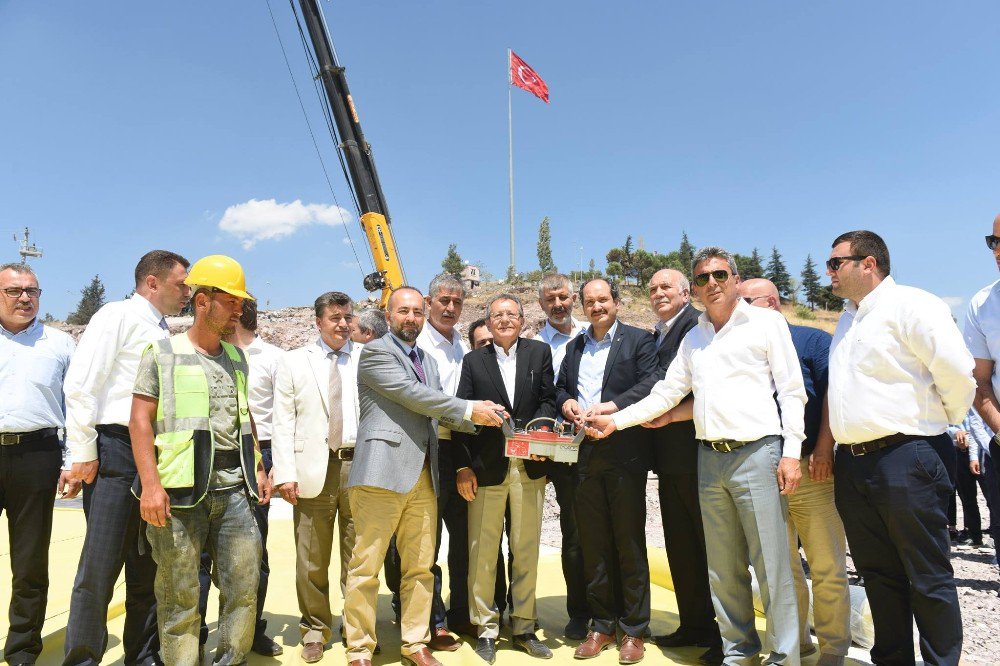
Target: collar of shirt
[(663, 327), (608, 337), (871, 300), (34, 329), (439, 340), (405, 346), (327, 349), (550, 333), (741, 313), (505, 355), (145, 308)]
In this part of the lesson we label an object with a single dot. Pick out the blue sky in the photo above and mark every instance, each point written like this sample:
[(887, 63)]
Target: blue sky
[(130, 126)]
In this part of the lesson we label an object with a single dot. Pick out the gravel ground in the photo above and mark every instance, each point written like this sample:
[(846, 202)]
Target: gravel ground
[(975, 574)]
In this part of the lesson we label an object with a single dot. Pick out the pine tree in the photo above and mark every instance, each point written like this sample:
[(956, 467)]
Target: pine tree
[(91, 300), (778, 274), (686, 253), (811, 287), (545, 263), (756, 267), (453, 263)]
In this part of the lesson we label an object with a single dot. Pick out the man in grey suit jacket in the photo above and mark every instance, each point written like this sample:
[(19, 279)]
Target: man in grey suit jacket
[(393, 482)]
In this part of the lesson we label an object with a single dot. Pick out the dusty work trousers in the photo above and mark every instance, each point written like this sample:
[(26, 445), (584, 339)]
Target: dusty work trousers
[(486, 519), (378, 514), (314, 520), (813, 519), (745, 521)]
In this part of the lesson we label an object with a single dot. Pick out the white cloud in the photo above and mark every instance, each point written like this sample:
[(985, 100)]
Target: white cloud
[(953, 301), (258, 220)]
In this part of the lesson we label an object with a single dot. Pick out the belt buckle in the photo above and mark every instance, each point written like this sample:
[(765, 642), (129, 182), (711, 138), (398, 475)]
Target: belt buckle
[(724, 446), (857, 449), (9, 438)]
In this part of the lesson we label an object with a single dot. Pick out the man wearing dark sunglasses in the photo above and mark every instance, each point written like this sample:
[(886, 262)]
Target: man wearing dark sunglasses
[(899, 374), (741, 366)]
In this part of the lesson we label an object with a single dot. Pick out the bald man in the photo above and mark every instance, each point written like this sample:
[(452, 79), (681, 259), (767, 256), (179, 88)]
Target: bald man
[(676, 465), (812, 513)]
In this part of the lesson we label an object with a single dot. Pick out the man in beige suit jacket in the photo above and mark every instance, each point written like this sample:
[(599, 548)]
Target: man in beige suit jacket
[(314, 429)]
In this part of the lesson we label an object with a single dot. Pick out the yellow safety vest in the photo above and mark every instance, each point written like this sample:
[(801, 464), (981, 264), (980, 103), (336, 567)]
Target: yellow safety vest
[(185, 445)]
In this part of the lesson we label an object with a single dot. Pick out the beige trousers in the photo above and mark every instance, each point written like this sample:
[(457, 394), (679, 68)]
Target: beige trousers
[(486, 517), (813, 519), (412, 517), (314, 521)]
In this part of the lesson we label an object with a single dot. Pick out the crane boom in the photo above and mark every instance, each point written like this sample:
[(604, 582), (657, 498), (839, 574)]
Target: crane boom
[(357, 154)]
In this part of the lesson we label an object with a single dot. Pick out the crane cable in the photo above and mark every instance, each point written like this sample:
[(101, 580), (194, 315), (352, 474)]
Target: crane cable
[(312, 136)]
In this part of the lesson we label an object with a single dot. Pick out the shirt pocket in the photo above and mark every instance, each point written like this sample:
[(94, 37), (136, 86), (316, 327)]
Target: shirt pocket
[(175, 458)]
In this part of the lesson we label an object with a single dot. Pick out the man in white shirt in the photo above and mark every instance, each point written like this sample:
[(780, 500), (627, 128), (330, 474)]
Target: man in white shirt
[(982, 336), (899, 374), (33, 362), (98, 387), (741, 366), (557, 297), (315, 428), (262, 360)]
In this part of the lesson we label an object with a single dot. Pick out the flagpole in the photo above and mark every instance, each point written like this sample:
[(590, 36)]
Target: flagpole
[(510, 160)]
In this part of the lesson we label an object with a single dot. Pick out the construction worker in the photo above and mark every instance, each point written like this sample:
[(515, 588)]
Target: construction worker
[(196, 453)]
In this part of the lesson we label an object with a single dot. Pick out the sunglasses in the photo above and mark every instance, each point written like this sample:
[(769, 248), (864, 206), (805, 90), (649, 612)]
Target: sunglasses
[(992, 242), (834, 263), (702, 278), (750, 299)]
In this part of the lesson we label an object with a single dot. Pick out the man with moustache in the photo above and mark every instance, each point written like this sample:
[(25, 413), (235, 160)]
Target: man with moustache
[(675, 460), (899, 375), (98, 388), (741, 367), (517, 374), (600, 365), (368, 325), (33, 362), (196, 453), (394, 477), (556, 297)]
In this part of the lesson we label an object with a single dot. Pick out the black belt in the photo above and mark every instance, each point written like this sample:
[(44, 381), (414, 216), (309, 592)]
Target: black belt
[(264, 444), (114, 429), (227, 460), (722, 445), (879, 444), (11, 438), (343, 453)]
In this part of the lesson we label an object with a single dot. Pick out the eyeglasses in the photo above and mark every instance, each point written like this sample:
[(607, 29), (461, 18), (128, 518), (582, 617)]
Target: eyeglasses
[(750, 299), (500, 316), (992, 242), (15, 292), (834, 263), (720, 276)]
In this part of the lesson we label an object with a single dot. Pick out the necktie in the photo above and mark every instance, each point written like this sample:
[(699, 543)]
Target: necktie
[(418, 366), (336, 433), (163, 324)]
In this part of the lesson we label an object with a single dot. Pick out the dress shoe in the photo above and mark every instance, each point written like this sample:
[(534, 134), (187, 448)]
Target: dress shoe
[(529, 643), (265, 646), (421, 657), (312, 652), (442, 640), (465, 629), (576, 628), (830, 660), (359, 662), (806, 649), (595, 644), (713, 656), (681, 638), (486, 648), (631, 651)]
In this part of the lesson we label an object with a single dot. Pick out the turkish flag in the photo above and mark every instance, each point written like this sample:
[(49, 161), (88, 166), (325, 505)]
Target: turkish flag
[(522, 76)]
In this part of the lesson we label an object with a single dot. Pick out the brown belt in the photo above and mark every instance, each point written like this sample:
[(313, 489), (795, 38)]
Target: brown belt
[(879, 444), (722, 445), (345, 454)]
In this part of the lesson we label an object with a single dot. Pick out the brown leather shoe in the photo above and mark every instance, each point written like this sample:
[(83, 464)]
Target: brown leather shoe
[(595, 644), (421, 657), (631, 651), (312, 652), (359, 662), (442, 640)]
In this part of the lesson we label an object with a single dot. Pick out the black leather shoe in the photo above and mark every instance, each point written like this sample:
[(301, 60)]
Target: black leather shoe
[(486, 648), (713, 656), (529, 643), (681, 638), (263, 645), (577, 628)]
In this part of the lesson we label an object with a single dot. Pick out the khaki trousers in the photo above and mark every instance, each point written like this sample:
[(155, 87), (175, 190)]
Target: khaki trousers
[(486, 517), (813, 519), (412, 517), (314, 520)]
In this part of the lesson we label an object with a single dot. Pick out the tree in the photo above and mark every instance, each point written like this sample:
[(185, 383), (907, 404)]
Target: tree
[(778, 274), (685, 253), (545, 263), (749, 267), (830, 301), (91, 300), (811, 287), (453, 263)]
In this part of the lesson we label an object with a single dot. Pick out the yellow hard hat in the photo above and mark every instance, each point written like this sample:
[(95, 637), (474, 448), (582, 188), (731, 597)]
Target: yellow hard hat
[(221, 272)]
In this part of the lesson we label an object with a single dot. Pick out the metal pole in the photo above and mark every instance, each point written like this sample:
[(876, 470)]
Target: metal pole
[(510, 162)]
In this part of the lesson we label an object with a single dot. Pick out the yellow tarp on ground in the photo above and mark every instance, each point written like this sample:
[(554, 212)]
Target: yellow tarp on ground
[(282, 611)]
